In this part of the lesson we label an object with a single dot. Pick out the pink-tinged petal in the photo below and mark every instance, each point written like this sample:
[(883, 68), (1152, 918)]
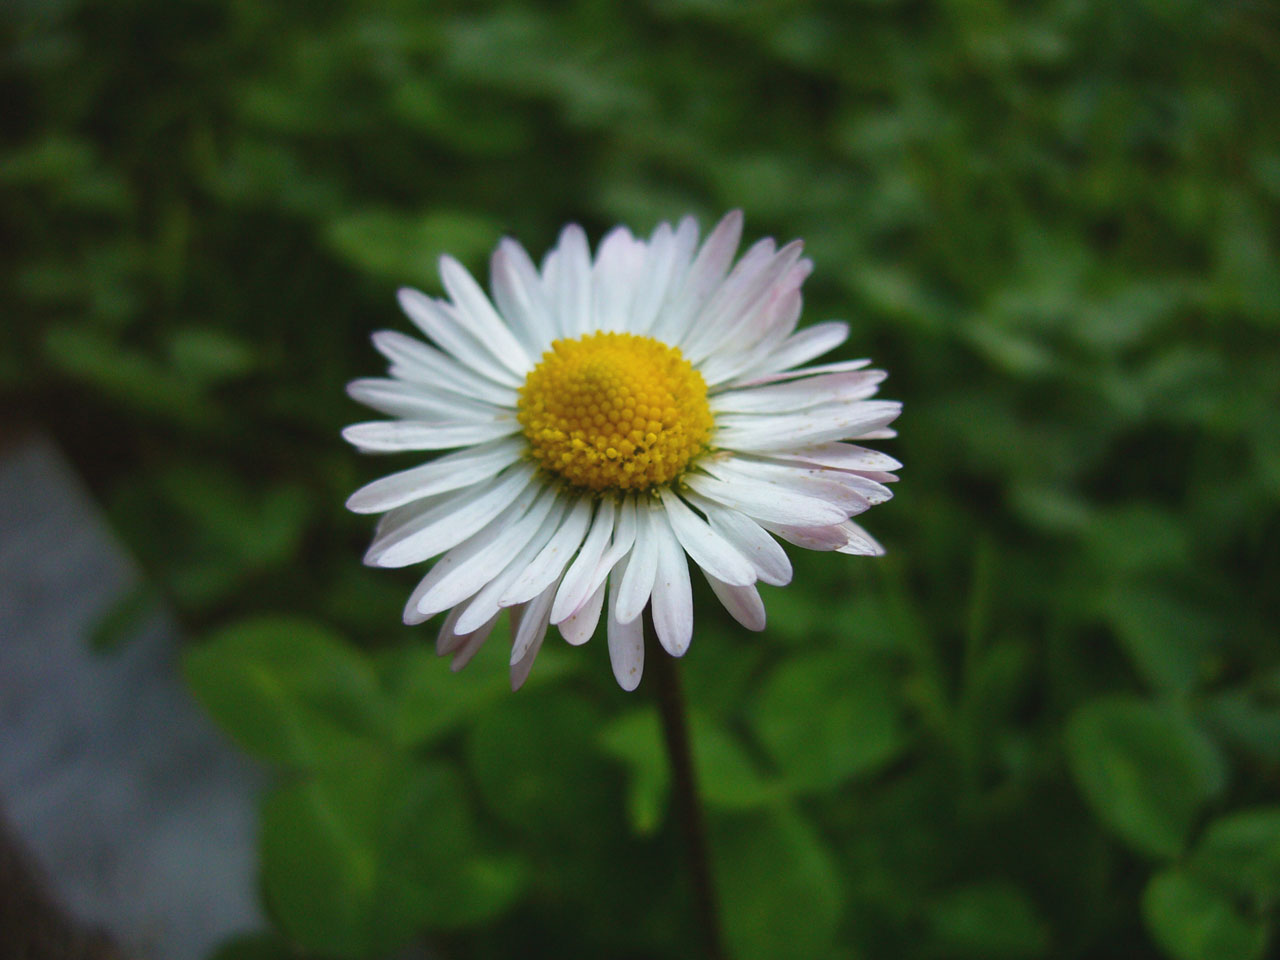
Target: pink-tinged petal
[(840, 456), (800, 348), (841, 366), (703, 277), (729, 321), (470, 644), (739, 431)]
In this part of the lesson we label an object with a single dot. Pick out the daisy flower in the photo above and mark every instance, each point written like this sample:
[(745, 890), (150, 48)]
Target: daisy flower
[(611, 419)]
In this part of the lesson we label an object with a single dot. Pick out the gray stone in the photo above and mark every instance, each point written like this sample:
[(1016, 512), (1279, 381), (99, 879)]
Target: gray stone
[(140, 814)]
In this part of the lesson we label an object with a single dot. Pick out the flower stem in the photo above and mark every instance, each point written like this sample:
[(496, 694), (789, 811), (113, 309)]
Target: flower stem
[(675, 730)]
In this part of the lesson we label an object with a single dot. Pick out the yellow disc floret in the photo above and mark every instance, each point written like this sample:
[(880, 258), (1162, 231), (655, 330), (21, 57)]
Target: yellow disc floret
[(614, 411)]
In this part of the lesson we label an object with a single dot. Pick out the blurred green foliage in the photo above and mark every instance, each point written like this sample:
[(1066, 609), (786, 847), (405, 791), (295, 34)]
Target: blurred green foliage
[(1046, 725)]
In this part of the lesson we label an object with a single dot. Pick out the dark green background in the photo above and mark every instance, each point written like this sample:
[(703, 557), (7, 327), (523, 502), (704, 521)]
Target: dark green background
[(1047, 724)]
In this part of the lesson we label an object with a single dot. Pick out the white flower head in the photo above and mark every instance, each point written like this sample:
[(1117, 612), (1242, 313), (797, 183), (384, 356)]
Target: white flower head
[(610, 419)]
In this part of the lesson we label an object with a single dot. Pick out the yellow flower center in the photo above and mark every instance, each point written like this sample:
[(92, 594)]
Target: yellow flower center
[(614, 411)]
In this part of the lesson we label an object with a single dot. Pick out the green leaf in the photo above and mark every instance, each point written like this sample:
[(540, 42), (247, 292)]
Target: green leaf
[(1190, 920), (826, 717), (533, 763), (359, 857), (780, 892), (1241, 852), (1167, 639), (404, 249), (634, 739), (429, 701), (727, 777), (288, 691), (207, 355), (988, 920), (1146, 771)]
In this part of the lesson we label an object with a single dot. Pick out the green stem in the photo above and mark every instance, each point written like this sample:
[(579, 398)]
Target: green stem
[(675, 730)]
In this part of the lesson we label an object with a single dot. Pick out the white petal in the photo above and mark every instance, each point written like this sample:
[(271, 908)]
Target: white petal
[(480, 319), (578, 627), (626, 641), (672, 593), (485, 603), (835, 487), (624, 537), (707, 548), (412, 401), (441, 323), (547, 566), (571, 303), (841, 456), (807, 428), (743, 603), (519, 295), (575, 587), (447, 524), (392, 436), (659, 266), (799, 394), (450, 472), (613, 279), (637, 581), (466, 568), (704, 275), (749, 538), (414, 361), (532, 624), (860, 543), (764, 501)]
